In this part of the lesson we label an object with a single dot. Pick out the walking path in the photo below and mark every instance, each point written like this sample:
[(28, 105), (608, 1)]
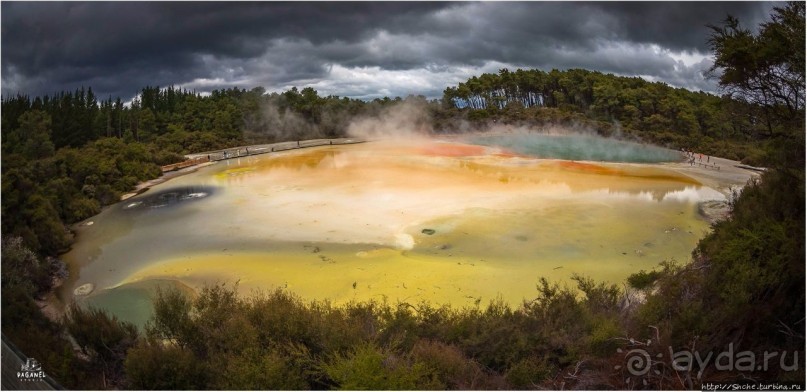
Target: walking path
[(256, 149), (731, 175), (198, 160)]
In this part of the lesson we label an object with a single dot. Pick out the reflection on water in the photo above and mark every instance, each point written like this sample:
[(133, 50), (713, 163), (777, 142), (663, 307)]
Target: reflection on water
[(167, 198), (443, 222)]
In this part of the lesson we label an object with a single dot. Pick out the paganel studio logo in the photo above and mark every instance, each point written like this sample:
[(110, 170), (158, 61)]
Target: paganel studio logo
[(31, 370)]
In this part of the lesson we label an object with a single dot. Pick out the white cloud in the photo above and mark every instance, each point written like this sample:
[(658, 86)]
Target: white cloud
[(375, 82), (689, 58)]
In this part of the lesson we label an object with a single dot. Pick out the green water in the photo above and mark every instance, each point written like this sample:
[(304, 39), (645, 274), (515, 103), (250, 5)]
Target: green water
[(132, 302), (578, 147)]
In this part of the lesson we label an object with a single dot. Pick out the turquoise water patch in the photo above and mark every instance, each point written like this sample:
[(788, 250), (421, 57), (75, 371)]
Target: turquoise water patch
[(578, 147), (131, 302)]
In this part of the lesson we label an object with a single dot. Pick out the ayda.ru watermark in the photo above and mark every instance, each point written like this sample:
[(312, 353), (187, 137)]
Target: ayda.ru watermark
[(640, 362)]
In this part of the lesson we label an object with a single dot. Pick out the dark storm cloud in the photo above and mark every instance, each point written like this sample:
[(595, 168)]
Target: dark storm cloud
[(357, 49), (63, 42), (525, 32), (678, 25)]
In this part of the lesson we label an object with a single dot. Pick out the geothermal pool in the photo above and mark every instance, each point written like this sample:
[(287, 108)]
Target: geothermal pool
[(445, 222), (573, 146)]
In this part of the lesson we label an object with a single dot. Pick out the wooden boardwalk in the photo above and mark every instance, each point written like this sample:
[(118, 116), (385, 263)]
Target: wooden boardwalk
[(184, 164), (243, 151)]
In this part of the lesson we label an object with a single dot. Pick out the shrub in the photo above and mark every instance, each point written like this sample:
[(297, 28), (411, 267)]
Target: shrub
[(452, 368), (153, 366), (602, 340), (642, 280), (104, 338), (528, 373), (370, 367)]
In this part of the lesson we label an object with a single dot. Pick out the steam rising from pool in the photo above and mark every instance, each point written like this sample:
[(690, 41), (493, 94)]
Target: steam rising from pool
[(578, 147), (403, 217)]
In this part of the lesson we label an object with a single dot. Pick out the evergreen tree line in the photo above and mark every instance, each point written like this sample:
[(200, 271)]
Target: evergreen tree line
[(652, 112)]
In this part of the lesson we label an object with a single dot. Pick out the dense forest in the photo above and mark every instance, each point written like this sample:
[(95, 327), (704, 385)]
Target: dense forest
[(653, 112), (66, 156)]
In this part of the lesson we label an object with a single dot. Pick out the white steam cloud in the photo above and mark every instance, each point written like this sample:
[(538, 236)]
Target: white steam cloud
[(406, 120)]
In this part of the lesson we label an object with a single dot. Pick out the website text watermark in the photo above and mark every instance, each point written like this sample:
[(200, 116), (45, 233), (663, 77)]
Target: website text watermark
[(640, 361)]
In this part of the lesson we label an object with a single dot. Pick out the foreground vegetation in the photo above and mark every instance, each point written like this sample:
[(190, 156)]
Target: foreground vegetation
[(744, 292), (65, 157)]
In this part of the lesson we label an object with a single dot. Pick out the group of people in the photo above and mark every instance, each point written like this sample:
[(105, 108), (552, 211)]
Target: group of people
[(231, 155), (692, 156)]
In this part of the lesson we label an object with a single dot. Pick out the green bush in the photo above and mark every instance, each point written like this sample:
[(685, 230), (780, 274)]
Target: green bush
[(528, 373), (259, 369), (104, 338), (370, 367), (603, 338), (453, 369), (153, 366), (642, 280)]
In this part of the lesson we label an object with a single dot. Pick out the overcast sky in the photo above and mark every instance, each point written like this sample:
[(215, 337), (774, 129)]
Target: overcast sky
[(361, 50)]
